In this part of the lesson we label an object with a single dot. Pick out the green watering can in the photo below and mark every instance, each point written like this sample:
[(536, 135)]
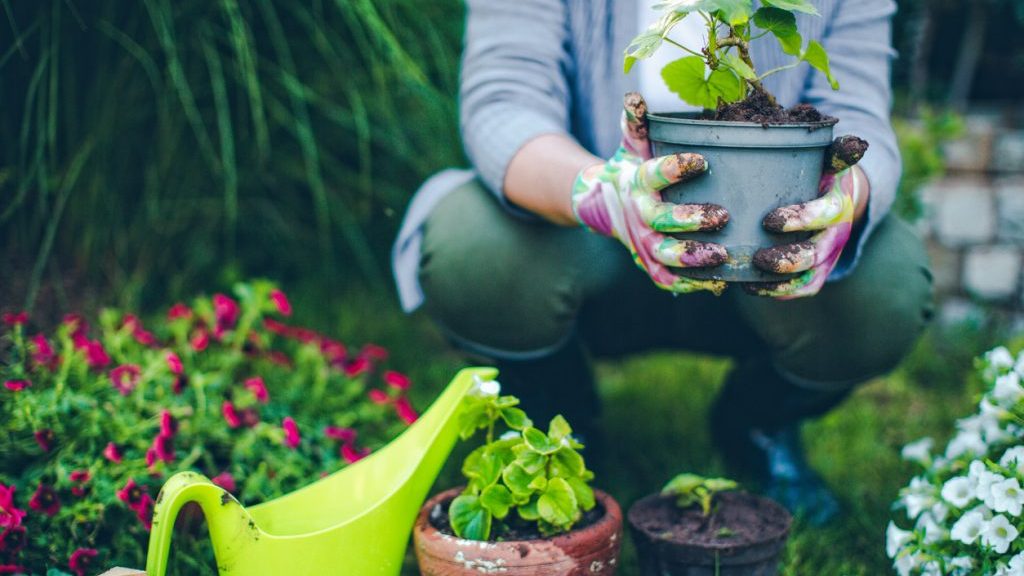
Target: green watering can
[(356, 521)]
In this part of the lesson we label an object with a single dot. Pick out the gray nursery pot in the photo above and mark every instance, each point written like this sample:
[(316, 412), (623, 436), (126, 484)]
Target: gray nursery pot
[(753, 169)]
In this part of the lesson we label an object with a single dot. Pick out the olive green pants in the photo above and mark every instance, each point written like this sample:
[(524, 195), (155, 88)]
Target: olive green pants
[(513, 289)]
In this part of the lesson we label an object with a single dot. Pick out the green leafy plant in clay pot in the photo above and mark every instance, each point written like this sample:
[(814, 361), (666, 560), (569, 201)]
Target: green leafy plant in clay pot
[(702, 526), (527, 507), (761, 156)]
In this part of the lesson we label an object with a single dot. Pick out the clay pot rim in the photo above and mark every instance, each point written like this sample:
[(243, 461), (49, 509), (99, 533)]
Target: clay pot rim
[(609, 522), (781, 536)]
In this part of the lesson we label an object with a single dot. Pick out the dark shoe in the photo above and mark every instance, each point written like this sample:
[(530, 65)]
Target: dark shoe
[(790, 481)]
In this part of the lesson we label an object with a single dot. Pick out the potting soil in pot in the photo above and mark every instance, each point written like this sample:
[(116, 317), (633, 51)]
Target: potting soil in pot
[(525, 531), (738, 520)]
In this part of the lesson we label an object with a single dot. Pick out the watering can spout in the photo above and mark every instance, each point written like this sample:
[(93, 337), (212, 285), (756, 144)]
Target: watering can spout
[(356, 521)]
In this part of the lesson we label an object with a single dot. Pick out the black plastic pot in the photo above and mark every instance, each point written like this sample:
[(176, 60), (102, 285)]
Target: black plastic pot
[(662, 552), (753, 169)]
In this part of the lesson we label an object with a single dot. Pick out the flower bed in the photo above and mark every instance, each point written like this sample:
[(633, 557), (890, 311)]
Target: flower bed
[(965, 508), (94, 420)]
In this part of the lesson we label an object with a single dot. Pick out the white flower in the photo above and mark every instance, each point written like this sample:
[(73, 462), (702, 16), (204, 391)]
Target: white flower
[(918, 497), (998, 534), (982, 479), (933, 531), (919, 451), (1017, 564), (1007, 390), (1007, 497), (999, 358), (895, 539), (1019, 366), (990, 496), (940, 512), (486, 387), (1013, 458), (968, 528), (907, 563), (958, 491), (966, 441), (961, 565)]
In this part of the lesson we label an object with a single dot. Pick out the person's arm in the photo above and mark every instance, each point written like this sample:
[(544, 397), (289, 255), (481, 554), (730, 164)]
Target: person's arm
[(541, 175)]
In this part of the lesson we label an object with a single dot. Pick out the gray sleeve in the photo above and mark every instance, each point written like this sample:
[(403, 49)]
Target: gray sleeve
[(858, 40), (513, 84)]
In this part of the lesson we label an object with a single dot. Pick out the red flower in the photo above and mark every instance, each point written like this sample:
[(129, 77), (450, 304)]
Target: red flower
[(291, 432), (179, 384), (45, 438), (405, 410), (42, 352), (355, 367), (352, 455), (144, 511), (13, 539), (378, 396), (258, 389), (95, 355), (281, 302), (80, 477), (10, 516), (45, 500), (250, 417), (275, 327), (179, 310), (17, 385), (397, 380), (17, 318), (226, 312), (174, 363), (168, 425), (225, 480), (141, 335), (200, 340), (77, 324), (346, 435), (81, 560), (125, 377), (279, 358), (334, 351), (150, 457), (131, 494), (112, 453), (230, 414), (12, 569), (163, 449), (374, 352)]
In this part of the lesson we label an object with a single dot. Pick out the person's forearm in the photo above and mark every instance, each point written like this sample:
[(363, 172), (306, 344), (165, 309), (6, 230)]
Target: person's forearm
[(541, 176)]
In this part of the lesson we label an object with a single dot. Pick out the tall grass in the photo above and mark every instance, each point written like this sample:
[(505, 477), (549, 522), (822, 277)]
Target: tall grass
[(153, 145)]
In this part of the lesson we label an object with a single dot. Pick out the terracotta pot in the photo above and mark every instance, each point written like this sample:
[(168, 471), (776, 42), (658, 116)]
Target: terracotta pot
[(664, 547), (593, 549)]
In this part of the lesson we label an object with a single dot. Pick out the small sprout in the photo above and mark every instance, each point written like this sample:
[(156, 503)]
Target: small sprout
[(724, 532), (690, 489)]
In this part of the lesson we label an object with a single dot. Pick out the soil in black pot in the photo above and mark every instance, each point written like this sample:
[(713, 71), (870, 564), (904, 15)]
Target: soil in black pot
[(758, 107), (517, 529)]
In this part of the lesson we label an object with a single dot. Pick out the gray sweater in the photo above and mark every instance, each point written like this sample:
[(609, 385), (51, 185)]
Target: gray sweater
[(534, 67)]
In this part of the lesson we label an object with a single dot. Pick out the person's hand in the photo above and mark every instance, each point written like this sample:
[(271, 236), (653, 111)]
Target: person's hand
[(622, 199), (830, 215)]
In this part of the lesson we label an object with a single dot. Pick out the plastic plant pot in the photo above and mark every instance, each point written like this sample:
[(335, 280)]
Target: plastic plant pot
[(753, 169)]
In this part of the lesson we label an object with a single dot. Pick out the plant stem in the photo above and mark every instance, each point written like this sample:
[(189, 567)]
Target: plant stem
[(779, 69), (684, 48), (744, 48)]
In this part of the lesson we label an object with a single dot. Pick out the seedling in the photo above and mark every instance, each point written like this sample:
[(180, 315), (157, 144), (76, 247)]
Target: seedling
[(690, 489), (723, 72)]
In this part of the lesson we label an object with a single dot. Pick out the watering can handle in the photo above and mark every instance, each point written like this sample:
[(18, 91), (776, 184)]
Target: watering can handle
[(180, 489)]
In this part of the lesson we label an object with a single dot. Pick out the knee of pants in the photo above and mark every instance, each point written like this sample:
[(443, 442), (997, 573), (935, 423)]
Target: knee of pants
[(493, 282)]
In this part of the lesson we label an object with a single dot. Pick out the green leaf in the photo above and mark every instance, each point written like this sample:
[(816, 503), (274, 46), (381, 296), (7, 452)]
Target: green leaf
[(584, 493), (568, 462), (716, 485), (779, 22), (643, 46), (539, 441), (539, 483), (683, 484), (792, 45), (530, 460), (529, 511), (469, 519), (515, 418), (734, 12), (518, 481), (558, 428), (793, 5), (472, 417), (686, 77), (741, 68), (557, 504), (497, 500), (816, 56)]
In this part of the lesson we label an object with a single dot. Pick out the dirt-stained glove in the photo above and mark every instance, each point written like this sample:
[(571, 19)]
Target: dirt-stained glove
[(830, 215), (622, 199)]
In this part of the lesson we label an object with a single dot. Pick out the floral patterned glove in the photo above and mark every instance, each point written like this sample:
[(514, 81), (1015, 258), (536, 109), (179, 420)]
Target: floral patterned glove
[(622, 199), (830, 215)]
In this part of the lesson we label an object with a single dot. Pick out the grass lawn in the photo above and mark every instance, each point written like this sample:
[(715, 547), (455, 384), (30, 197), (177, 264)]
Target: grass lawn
[(655, 407)]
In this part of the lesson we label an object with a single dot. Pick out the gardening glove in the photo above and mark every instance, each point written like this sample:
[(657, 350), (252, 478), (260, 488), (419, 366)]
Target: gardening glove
[(622, 199), (830, 215)]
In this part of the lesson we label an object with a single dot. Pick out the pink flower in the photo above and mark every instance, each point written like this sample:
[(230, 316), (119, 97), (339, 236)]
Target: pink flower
[(112, 453), (281, 302), (168, 425), (144, 511), (179, 311), (95, 355), (78, 326), (141, 335), (17, 385), (374, 352), (346, 435), (42, 352), (405, 410), (334, 351), (178, 386), (291, 432), (45, 438), (125, 377), (163, 449), (81, 560), (10, 516), (279, 358), (250, 417), (230, 414), (226, 312), (258, 389), (131, 493), (355, 367), (150, 457), (13, 539), (12, 569), (81, 478), (15, 318), (275, 327), (200, 340), (378, 396), (352, 455), (397, 380), (225, 480), (45, 500), (174, 363)]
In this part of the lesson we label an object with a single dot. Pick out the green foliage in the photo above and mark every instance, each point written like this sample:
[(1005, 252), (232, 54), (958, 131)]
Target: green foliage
[(723, 72), (921, 143), (525, 477), (690, 489), (99, 417)]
